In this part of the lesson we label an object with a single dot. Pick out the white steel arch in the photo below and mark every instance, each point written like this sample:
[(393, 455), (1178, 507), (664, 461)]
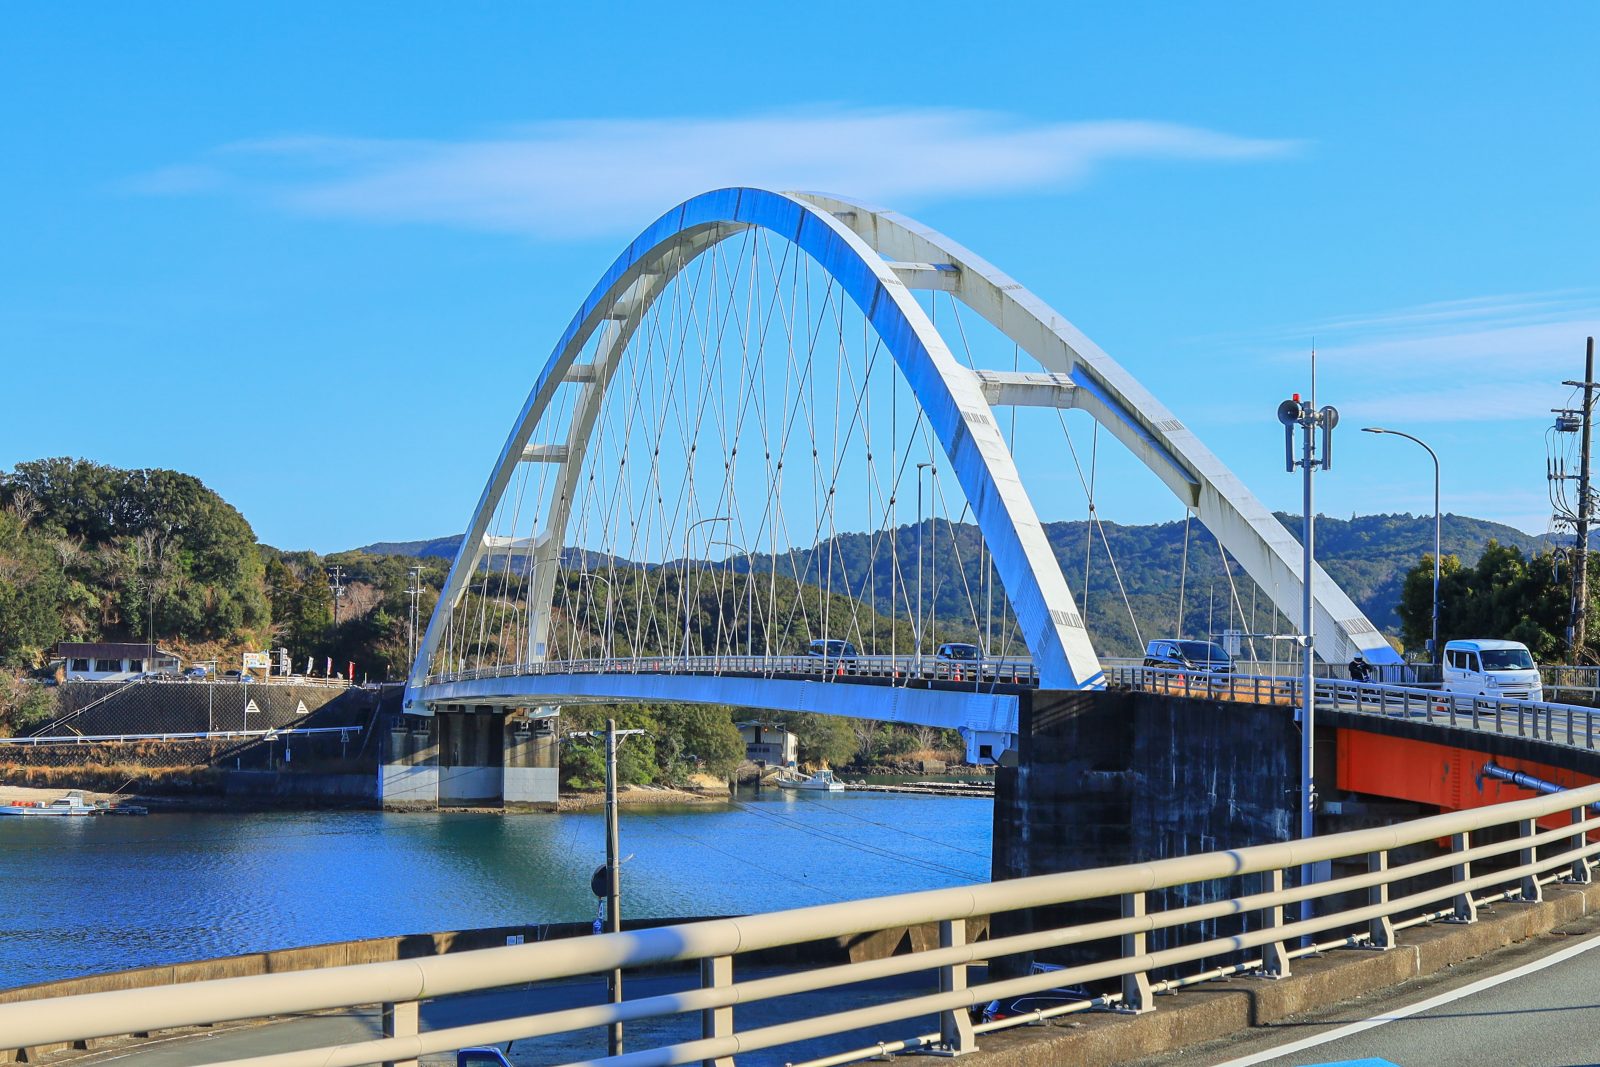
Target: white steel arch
[(1094, 382), (951, 398)]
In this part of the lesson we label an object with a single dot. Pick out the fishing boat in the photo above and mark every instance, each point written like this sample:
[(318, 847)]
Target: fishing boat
[(71, 804), (822, 781)]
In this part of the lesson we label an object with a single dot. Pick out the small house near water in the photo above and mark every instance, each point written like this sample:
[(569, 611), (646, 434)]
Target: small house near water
[(111, 661), (768, 743)]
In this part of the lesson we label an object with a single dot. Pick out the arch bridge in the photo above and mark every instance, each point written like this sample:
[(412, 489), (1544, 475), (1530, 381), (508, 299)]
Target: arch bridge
[(772, 461)]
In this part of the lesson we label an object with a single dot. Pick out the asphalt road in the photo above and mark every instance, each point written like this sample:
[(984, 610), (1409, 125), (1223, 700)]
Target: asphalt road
[(1533, 1005)]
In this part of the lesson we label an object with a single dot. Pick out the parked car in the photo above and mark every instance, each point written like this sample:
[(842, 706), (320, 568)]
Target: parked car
[(832, 650), (197, 671), (1485, 667), (1207, 657)]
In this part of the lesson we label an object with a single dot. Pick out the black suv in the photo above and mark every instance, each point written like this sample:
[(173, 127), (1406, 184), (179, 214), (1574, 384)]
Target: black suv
[(1172, 654)]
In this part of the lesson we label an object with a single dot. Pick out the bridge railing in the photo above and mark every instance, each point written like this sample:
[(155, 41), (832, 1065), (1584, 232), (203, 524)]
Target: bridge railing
[(1383, 881), (895, 669), (1560, 724)]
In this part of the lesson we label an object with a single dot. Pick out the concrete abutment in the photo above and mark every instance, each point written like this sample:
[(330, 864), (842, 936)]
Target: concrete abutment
[(469, 757)]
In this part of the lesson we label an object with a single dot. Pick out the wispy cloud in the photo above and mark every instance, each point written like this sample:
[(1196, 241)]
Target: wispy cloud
[(577, 178), (1479, 359)]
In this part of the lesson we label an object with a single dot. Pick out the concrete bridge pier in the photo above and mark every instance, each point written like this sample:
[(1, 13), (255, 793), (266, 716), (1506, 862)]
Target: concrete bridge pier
[(1114, 777), (469, 756)]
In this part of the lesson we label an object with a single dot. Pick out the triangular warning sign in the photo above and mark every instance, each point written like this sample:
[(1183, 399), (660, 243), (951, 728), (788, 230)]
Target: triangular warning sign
[(251, 707), (301, 709)]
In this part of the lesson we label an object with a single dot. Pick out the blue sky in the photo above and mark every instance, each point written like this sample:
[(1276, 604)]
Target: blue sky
[(315, 253)]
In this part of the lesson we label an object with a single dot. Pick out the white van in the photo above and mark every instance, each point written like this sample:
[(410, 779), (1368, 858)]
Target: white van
[(1483, 667)]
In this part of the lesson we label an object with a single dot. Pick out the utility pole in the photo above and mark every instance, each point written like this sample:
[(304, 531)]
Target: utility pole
[(336, 587), (1580, 565), (612, 882), (1293, 413)]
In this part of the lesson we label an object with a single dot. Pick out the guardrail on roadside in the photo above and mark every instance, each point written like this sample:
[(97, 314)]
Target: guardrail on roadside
[(1560, 724), (1516, 859), (896, 669)]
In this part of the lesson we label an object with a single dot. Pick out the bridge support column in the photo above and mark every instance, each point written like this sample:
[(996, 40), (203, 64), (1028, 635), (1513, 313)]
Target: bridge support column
[(1460, 872), (1380, 931), (471, 756), (1117, 777), (1532, 891), (955, 1025), (408, 768), (532, 774)]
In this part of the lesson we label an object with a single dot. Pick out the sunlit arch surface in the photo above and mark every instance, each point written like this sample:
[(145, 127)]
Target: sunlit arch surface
[(950, 399), (875, 259), (1240, 522)]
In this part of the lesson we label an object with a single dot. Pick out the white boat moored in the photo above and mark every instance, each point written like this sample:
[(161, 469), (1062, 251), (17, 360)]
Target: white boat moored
[(822, 781), (71, 804)]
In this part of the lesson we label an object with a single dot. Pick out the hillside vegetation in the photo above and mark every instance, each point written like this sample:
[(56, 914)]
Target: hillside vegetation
[(90, 552)]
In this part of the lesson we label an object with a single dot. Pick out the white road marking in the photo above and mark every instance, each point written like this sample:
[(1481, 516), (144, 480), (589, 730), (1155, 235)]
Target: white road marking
[(1414, 1009)]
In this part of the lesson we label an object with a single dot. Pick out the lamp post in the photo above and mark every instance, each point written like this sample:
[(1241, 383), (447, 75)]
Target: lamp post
[(917, 628), (605, 626), (685, 591), (1433, 643), (749, 596)]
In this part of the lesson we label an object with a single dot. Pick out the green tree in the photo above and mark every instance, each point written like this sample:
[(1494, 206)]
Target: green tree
[(697, 737), (1505, 594), (583, 758), (33, 587), (144, 547)]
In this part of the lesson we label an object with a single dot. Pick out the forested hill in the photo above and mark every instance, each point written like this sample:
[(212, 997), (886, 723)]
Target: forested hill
[(1367, 555)]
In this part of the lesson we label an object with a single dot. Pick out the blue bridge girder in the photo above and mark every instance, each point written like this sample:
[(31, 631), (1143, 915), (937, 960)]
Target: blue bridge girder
[(978, 700)]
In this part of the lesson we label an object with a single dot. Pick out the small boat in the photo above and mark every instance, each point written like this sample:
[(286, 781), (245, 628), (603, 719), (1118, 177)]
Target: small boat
[(823, 781), (71, 804)]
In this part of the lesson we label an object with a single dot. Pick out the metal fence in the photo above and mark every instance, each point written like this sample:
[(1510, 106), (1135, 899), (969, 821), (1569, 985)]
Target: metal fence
[(896, 669), (1504, 852), (1560, 724)]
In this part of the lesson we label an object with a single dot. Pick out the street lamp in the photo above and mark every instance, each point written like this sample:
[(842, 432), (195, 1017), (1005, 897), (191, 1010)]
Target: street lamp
[(684, 592), (918, 627), (605, 626), (1433, 645), (749, 596)]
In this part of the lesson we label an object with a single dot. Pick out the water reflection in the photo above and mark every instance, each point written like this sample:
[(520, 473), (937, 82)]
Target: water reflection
[(79, 896)]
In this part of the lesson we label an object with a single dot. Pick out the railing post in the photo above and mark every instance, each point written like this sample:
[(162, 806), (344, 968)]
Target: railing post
[(1274, 960), (1380, 931), (716, 972), (1135, 985), (955, 1025), (1460, 872), (1532, 892), (400, 1020), (1580, 864)]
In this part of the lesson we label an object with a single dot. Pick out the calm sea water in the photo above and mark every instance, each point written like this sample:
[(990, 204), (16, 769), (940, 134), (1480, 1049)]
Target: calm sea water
[(81, 896)]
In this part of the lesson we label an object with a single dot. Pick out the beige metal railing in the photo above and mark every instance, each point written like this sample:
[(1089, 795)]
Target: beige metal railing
[(1558, 724), (1495, 853)]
